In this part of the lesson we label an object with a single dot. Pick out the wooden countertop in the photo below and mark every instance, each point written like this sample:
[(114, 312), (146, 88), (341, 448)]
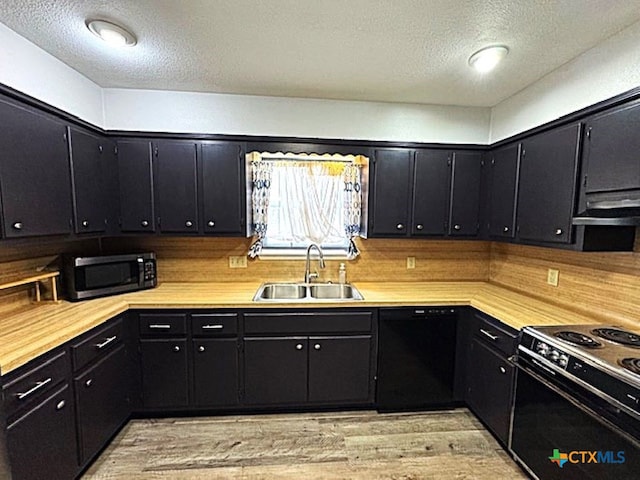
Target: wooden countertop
[(38, 329)]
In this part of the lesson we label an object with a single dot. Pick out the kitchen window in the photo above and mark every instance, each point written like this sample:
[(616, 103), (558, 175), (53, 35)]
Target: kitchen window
[(296, 200)]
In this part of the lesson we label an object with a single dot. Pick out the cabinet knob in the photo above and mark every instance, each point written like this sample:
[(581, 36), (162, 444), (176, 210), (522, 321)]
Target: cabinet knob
[(144, 223), (505, 229), (85, 223), (317, 346), (559, 231), (188, 224), (176, 348), (299, 346), (88, 383), (60, 405), (503, 370), (201, 348), (17, 226), (419, 226), (400, 226), (457, 227), (211, 223)]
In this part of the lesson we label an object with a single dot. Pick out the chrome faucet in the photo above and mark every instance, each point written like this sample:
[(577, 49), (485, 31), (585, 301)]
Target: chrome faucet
[(308, 276)]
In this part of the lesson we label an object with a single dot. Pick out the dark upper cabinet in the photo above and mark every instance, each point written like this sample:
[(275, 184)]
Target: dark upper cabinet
[(464, 204), (392, 172), (223, 188), (176, 186), (111, 184), (89, 179), (431, 183), (135, 175), (548, 183), (504, 167), (611, 150), (34, 173)]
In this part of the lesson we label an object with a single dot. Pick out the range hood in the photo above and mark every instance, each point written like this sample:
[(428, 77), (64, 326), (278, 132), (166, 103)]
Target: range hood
[(611, 209)]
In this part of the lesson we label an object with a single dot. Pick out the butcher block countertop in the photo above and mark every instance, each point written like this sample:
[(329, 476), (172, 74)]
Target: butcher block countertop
[(27, 334)]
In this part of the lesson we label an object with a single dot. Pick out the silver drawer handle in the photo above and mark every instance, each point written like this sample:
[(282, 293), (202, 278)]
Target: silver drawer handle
[(487, 334), (38, 386), (60, 405), (109, 340), (159, 326), (212, 327)]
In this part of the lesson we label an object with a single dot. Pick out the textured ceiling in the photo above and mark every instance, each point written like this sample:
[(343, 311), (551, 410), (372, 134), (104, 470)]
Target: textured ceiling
[(412, 51)]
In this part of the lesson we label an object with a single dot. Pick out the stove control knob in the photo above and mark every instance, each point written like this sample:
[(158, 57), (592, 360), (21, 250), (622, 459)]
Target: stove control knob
[(554, 355), (542, 349), (563, 361)]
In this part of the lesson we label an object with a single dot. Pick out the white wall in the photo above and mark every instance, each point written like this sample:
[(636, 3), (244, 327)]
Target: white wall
[(29, 69), (163, 111), (608, 69)]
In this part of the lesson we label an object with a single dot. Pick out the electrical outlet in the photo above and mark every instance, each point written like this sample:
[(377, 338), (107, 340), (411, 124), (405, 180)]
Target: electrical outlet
[(552, 277), (237, 262), (411, 263)]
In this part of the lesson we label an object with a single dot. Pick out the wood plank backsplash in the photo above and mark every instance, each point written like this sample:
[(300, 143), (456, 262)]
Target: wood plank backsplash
[(206, 260), (602, 285)]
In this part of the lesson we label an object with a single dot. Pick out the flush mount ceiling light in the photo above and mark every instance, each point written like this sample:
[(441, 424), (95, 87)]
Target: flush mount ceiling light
[(111, 33), (486, 59)]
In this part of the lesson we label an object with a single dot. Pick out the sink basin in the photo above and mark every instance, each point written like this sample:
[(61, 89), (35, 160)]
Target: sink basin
[(334, 291), (281, 291), (306, 292)]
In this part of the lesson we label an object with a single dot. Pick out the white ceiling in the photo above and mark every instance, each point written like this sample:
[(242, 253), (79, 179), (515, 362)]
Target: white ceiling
[(412, 51)]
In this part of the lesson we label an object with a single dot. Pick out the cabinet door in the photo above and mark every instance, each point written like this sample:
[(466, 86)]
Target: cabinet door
[(490, 388), (275, 370), (176, 186), (340, 369), (164, 373), (102, 402), (215, 372), (136, 186), (431, 183), (111, 184), (391, 192), (223, 188), (611, 150), (42, 441), (505, 164), (88, 176), (34, 172), (548, 182), (464, 205)]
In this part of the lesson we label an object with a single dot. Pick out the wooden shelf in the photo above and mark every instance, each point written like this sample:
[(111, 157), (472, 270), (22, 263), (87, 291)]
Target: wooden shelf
[(36, 279)]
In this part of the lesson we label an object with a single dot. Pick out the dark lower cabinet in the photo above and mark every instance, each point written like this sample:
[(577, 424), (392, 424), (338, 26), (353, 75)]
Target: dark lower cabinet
[(42, 440), (275, 370), (490, 388), (102, 402), (164, 373), (339, 369), (215, 372)]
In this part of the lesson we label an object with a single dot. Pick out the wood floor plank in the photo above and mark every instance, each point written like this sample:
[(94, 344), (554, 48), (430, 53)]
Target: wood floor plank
[(344, 445)]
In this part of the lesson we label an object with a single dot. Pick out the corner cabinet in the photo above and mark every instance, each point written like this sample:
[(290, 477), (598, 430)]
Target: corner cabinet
[(34, 173), (548, 185)]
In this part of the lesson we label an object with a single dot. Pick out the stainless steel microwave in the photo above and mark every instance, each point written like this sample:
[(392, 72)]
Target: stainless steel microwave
[(90, 277)]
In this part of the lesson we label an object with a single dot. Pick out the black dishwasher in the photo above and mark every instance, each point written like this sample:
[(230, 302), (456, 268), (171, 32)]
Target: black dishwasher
[(416, 358)]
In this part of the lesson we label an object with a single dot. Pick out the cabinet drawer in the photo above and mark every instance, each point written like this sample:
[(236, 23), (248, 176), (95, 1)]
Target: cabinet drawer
[(19, 392), (97, 344), (308, 322), (163, 324), (214, 324), (492, 332)]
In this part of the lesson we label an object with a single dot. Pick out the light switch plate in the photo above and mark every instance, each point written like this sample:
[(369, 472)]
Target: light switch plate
[(237, 262), (552, 277)]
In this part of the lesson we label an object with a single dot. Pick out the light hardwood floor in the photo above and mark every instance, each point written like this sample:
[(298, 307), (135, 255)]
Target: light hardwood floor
[(346, 445)]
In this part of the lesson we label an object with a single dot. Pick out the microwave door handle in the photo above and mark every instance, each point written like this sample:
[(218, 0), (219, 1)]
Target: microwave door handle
[(140, 272)]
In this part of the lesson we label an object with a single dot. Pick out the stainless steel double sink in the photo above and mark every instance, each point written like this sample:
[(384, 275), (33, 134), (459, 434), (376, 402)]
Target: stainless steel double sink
[(306, 292)]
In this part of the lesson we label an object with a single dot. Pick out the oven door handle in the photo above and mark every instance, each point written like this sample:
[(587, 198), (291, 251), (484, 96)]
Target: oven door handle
[(542, 366)]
